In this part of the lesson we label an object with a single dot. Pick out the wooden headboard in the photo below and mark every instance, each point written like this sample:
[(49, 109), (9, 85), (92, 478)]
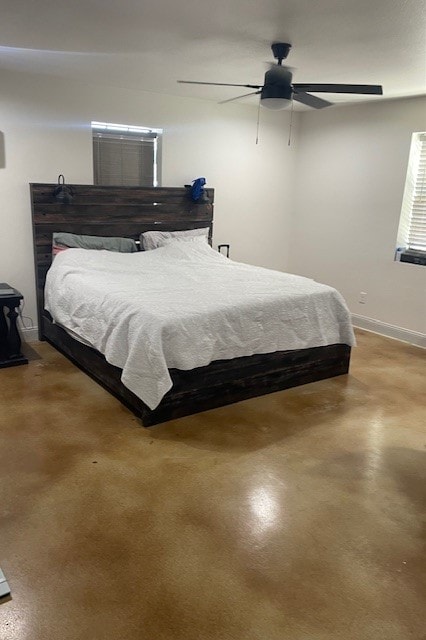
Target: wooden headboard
[(109, 211)]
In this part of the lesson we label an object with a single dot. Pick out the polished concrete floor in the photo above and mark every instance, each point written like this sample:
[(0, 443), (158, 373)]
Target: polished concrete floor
[(295, 516)]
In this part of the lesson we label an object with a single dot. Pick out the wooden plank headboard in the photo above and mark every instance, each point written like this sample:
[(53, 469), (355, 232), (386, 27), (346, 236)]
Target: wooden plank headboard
[(109, 211)]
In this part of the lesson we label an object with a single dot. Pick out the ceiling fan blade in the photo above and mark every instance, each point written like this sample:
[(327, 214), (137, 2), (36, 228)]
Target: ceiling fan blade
[(222, 84), (373, 89), (252, 93), (310, 101)]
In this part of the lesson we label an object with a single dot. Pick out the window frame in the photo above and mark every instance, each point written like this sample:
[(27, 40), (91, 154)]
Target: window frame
[(112, 130), (412, 204)]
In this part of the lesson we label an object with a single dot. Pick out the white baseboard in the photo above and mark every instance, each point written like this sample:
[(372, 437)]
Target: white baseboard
[(29, 335), (389, 330)]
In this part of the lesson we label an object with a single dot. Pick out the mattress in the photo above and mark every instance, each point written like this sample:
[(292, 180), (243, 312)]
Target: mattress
[(184, 306)]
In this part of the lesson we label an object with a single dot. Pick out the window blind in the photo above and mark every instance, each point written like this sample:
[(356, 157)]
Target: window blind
[(124, 159), (413, 215)]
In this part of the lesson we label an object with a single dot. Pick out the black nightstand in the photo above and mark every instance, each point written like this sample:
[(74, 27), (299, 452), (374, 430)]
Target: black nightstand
[(10, 340)]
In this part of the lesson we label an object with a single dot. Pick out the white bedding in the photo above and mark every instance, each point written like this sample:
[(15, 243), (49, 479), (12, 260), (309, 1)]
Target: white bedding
[(183, 306)]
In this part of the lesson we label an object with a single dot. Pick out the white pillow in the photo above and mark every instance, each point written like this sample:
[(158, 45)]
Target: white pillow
[(154, 239), (187, 240)]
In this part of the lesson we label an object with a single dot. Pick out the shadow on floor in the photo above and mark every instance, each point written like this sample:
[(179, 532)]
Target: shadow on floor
[(260, 422), (29, 352)]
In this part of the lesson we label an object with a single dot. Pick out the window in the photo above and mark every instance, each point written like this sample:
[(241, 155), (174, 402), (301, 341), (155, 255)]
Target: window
[(126, 155), (412, 226)]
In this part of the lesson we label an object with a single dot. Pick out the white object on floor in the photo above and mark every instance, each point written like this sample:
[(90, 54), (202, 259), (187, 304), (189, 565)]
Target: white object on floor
[(4, 587), (185, 305)]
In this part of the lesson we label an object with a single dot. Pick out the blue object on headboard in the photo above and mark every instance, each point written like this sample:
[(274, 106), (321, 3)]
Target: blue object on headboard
[(197, 188)]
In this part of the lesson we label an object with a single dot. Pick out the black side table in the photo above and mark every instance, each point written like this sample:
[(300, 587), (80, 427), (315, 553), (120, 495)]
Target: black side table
[(10, 340)]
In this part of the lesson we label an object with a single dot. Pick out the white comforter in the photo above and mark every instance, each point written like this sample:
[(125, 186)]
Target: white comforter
[(183, 306)]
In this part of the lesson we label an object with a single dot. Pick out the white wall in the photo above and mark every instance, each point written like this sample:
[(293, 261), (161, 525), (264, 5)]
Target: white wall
[(46, 127), (351, 167)]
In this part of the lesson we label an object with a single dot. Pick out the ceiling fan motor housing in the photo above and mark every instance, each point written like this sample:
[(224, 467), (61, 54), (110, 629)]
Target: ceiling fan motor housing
[(275, 91)]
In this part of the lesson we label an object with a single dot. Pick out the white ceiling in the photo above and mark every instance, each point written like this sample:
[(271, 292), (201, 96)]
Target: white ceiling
[(148, 45)]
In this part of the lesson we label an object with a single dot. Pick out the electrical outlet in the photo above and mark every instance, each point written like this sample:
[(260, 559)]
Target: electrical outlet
[(362, 297)]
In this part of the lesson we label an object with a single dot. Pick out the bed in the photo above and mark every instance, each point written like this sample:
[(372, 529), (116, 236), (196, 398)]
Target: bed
[(126, 212)]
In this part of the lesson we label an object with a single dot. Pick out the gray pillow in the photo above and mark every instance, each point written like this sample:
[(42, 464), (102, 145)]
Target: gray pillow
[(73, 241), (154, 239)]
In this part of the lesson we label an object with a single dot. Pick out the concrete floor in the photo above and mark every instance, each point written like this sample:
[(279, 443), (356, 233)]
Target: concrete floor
[(295, 516)]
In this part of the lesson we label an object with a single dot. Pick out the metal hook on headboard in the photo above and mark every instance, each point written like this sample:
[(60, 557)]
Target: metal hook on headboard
[(63, 193)]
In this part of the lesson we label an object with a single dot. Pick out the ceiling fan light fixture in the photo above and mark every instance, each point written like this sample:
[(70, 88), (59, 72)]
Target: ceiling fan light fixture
[(276, 95), (276, 104)]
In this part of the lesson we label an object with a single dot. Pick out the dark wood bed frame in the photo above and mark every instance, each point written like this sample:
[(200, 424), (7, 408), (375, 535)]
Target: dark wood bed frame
[(127, 212)]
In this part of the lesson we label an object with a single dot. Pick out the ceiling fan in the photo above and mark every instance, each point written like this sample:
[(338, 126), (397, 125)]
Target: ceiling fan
[(277, 91)]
